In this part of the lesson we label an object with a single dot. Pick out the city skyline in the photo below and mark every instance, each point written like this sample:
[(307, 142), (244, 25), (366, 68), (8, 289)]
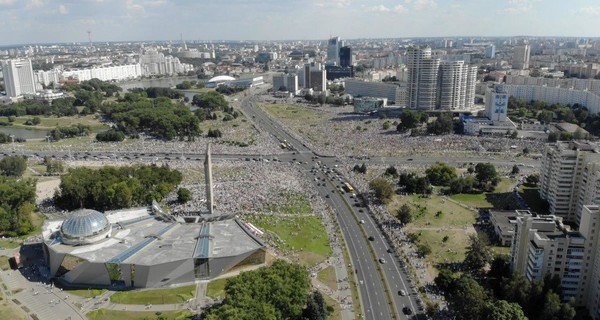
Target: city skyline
[(57, 21)]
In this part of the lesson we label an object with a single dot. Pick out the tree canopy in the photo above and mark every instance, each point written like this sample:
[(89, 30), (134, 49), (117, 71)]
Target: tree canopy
[(114, 188), (211, 100), (382, 189), (280, 291), (440, 174), (411, 119), (17, 202), (13, 166)]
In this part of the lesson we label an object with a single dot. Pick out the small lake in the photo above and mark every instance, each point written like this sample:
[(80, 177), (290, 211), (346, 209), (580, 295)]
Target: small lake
[(25, 133)]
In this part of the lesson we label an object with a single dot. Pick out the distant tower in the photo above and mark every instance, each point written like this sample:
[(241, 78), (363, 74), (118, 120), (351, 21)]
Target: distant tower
[(89, 32), (208, 180)]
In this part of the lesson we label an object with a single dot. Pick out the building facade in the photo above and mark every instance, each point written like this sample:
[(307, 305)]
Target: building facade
[(289, 81), (18, 77), (392, 92), (569, 178), (422, 78), (315, 77), (346, 57), (333, 50)]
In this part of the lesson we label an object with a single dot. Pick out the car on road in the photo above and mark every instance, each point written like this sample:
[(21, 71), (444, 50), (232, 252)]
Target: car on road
[(406, 310), (401, 292), (371, 238), (326, 196), (362, 221), (382, 260), (389, 250)]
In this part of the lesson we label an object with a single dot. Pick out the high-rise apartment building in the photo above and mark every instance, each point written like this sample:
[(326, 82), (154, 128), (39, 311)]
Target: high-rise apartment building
[(543, 245), (18, 77), (439, 85), (422, 78), (346, 57), (333, 50), (570, 178), (315, 77), (521, 57)]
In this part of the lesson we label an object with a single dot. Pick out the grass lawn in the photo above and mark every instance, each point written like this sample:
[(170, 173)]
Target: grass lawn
[(87, 293), (200, 90), (501, 250), (4, 265), (296, 114), (425, 212), (104, 314), (160, 296), (9, 244), (481, 200), (304, 235), (49, 123), (327, 276), (10, 311), (292, 203), (216, 288), (452, 250)]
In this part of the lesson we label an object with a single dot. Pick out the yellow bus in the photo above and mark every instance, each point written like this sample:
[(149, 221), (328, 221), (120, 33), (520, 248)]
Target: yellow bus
[(348, 187)]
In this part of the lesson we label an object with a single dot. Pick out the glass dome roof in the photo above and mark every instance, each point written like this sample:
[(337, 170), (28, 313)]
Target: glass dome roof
[(84, 223)]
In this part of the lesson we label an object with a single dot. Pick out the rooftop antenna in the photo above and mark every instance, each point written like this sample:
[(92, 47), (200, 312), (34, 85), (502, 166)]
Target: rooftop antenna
[(208, 180)]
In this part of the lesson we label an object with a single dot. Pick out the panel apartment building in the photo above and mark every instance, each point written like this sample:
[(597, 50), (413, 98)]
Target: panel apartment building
[(570, 178)]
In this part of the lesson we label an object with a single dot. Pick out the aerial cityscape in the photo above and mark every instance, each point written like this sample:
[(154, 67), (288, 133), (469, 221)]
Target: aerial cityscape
[(415, 159)]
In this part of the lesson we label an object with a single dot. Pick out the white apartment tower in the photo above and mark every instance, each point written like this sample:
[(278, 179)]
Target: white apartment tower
[(496, 104), (422, 78), (544, 245), (521, 57), (18, 77), (456, 85), (570, 178)]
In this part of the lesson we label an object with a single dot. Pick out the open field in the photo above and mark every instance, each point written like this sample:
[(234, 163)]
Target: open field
[(327, 276), (105, 314), (439, 223), (483, 200), (304, 235), (49, 123), (426, 212), (159, 296), (197, 90), (216, 288), (4, 265), (10, 311)]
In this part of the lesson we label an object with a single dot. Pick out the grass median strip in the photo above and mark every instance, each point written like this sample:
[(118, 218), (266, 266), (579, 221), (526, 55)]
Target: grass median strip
[(160, 296)]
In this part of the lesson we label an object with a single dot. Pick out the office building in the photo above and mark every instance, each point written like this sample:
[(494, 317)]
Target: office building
[(18, 77), (368, 104), (490, 51), (393, 92), (346, 57), (570, 178), (422, 78), (333, 50), (521, 57), (337, 72), (315, 77), (288, 81)]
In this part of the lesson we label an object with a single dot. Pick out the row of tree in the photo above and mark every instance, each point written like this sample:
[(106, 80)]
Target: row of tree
[(114, 188), (75, 130), (281, 291), (17, 202), (59, 108)]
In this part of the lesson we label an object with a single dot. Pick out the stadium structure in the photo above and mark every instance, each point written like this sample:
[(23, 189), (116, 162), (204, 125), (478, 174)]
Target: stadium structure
[(147, 248)]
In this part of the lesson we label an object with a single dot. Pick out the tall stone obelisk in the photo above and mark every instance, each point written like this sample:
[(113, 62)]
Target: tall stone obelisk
[(208, 180)]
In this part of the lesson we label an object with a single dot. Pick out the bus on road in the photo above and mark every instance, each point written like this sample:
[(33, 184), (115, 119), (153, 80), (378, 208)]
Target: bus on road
[(348, 187)]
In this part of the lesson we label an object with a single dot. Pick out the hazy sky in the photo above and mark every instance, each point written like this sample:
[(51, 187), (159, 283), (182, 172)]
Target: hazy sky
[(32, 21)]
